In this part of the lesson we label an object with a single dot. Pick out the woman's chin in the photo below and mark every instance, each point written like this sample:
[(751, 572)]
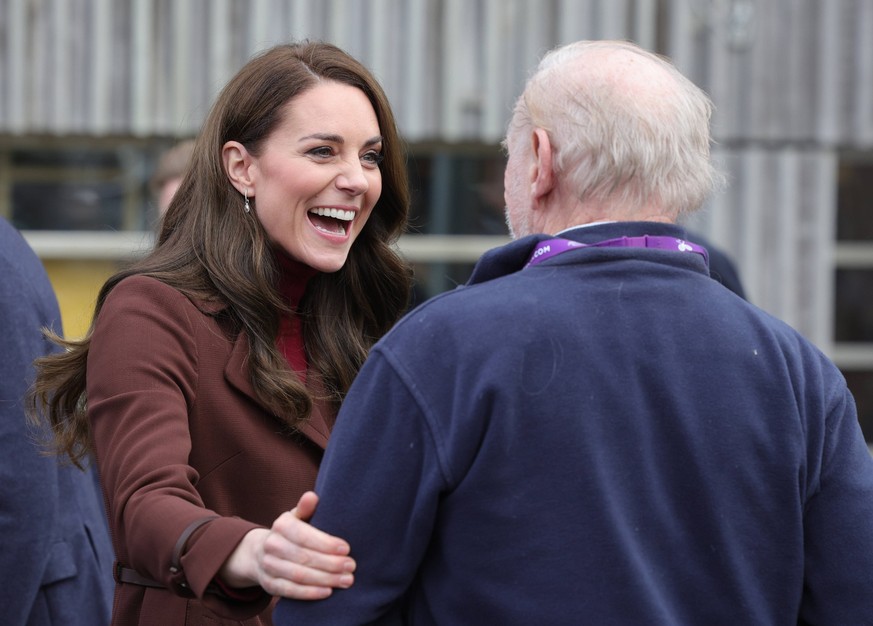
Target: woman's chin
[(327, 264)]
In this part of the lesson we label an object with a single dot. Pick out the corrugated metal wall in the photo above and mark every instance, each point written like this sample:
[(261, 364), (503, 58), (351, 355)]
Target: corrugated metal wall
[(151, 67), (792, 81)]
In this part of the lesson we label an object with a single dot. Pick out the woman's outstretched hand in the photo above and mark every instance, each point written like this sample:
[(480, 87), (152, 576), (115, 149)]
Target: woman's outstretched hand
[(292, 559)]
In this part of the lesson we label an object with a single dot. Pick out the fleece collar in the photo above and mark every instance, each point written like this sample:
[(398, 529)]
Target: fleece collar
[(513, 256)]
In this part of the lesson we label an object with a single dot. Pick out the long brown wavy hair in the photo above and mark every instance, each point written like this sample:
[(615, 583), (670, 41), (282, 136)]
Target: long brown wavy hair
[(211, 250)]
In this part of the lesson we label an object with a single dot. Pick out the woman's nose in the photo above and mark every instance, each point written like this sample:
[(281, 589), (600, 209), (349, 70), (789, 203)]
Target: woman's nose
[(353, 179)]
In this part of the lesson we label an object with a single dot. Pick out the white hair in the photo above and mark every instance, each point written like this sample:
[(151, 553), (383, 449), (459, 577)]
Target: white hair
[(625, 125)]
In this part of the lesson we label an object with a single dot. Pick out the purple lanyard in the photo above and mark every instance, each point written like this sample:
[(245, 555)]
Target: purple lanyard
[(553, 247)]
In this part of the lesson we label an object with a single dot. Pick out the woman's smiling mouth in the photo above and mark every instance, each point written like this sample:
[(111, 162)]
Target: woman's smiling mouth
[(330, 220)]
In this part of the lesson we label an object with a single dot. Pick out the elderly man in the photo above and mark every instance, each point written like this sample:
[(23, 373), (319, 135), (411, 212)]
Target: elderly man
[(592, 430)]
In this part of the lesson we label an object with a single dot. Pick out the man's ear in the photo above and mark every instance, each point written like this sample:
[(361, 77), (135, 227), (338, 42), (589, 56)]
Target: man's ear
[(543, 174), (238, 166)]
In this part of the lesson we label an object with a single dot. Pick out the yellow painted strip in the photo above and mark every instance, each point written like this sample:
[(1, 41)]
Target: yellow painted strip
[(76, 284)]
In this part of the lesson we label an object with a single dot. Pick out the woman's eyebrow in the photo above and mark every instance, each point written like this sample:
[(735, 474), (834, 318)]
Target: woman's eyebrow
[(324, 137), (338, 139)]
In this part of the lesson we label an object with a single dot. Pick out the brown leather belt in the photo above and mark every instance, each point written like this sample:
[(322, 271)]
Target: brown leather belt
[(128, 575)]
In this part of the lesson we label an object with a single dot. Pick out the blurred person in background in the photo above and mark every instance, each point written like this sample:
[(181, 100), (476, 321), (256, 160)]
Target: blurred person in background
[(168, 174), (56, 557), (209, 381)]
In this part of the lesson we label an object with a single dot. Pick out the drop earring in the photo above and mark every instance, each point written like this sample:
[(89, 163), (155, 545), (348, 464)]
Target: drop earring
[(247, 207)]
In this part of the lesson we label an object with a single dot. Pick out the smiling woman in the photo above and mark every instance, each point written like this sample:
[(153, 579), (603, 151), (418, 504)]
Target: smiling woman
[(210, 378)]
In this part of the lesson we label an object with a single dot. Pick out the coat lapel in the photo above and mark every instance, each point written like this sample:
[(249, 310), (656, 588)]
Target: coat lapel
[(315, 428)]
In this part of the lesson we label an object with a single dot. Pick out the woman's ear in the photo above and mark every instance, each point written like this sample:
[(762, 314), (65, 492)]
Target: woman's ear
[(238, 165)]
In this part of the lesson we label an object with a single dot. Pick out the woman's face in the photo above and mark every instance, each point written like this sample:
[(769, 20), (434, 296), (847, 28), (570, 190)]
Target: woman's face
[(317, 177)]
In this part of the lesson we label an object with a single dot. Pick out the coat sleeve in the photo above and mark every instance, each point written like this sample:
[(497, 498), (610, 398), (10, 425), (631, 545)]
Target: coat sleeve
[(142, 380), (379, 487), (55, 560), (28, 480)]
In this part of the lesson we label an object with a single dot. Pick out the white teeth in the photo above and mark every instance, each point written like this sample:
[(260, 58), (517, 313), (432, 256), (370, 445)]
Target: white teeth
[(338, 214)]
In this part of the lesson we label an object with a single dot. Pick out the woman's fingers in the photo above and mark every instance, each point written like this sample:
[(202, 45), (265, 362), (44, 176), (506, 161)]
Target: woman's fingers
[(288, 589), (299, 561), (291, 527), (306, 506)]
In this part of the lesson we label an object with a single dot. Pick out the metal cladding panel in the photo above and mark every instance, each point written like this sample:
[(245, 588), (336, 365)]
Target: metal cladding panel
[(778, 71), (452, 68)]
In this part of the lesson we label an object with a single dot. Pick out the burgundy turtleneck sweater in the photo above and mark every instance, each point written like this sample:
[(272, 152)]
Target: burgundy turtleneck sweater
[(294, 277)]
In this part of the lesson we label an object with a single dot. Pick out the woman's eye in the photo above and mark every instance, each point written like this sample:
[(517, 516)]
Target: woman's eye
[(373, 157), (322, 152)]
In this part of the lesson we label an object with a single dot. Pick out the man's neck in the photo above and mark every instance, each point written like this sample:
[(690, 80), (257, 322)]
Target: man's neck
[(586, 225), (558, 215)]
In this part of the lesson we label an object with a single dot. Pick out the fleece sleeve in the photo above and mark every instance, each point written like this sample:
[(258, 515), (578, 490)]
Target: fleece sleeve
[(379, 487), (838, 522)]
